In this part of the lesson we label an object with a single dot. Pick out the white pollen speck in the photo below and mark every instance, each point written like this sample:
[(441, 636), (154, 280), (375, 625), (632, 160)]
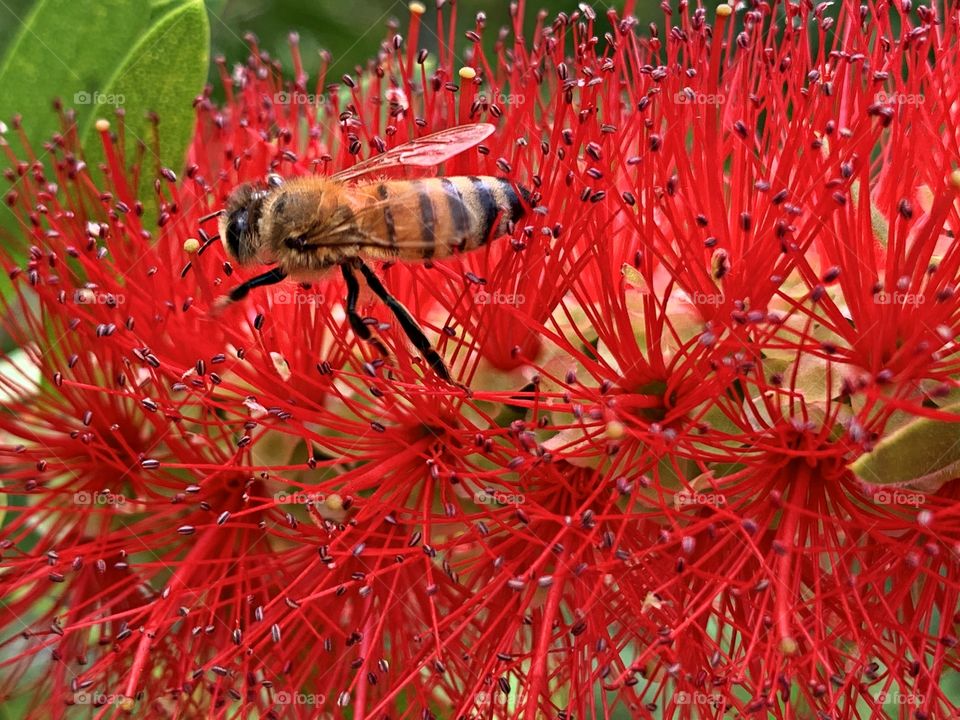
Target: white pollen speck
[(85, 296), (256, 409), (651, 601), (281, 366)]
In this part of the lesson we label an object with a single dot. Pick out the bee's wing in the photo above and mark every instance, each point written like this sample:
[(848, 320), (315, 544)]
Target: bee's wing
[(427, 151)]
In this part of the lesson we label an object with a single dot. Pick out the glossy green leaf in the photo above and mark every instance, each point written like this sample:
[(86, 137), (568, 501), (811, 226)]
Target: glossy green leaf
[(67, 50), (162, 73), (159, 8), (12, 15), (923, 451)]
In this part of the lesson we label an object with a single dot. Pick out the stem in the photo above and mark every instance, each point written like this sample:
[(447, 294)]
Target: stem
[(538, 673), (786, 537)]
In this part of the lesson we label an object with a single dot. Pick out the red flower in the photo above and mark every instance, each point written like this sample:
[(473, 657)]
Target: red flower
[(738, 278)]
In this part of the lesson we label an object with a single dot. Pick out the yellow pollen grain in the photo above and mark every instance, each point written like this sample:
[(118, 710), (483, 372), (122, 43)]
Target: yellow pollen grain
[(191, 245), (102, 125), (788, 646), (334, 502), (955, 179), (467, 73), (615, 430), (417, 8), (128, 704), (724, 10)]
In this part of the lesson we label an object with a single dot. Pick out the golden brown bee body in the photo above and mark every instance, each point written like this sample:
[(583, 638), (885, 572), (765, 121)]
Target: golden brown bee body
[(306, 225)]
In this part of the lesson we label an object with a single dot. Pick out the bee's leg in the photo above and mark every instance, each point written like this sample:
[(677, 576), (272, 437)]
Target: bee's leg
[(409, 325), (360, 328), (271, 277)]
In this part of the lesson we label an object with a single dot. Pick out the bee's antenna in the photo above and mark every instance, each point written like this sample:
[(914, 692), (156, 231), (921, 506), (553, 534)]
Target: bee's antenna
[(211, 216), (207, 241)]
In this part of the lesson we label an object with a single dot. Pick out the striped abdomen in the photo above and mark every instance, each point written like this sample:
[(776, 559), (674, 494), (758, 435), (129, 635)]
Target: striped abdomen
[(435, 217)]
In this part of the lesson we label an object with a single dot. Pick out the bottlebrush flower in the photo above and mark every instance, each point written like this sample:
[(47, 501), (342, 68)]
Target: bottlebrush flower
[(739, 279)]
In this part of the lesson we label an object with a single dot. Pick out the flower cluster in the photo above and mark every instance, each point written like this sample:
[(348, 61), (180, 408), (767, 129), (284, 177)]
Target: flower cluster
[(739, 277)]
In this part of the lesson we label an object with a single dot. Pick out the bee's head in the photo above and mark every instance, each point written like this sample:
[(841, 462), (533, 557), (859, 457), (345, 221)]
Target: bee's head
[(240, 224)]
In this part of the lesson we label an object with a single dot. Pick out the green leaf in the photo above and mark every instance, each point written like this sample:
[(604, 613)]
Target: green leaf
[(159, 8), (63, 49), (12, 13), (153, 54), (162, 73), (922, 451)]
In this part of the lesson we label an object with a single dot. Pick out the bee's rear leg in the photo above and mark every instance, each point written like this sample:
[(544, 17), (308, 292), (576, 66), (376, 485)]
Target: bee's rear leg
[(360, 328), (409, 325)]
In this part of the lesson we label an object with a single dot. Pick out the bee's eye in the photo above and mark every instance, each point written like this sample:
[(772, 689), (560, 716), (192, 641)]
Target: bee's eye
[(235, 229)]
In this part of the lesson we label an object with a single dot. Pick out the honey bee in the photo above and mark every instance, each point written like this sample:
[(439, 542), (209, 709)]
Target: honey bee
[(304, 226)]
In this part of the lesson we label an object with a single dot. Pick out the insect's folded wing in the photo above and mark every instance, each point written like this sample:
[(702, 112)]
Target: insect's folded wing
[(427, 151), (404, 224)]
